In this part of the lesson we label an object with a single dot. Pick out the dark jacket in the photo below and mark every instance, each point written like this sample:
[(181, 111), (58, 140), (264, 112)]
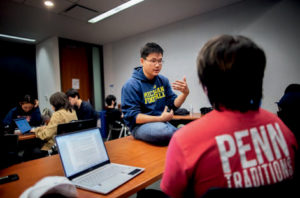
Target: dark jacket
[(86, 111), (17, 112)]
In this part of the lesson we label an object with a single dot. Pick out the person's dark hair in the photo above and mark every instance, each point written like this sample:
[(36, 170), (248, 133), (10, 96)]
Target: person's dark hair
[(72, 93), (27, 99), (290, 101), (232, 70), (109, 99), (59, 100), (292, 88), (151, 48)]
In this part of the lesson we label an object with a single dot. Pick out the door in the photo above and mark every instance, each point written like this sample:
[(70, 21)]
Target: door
[(75, 69)]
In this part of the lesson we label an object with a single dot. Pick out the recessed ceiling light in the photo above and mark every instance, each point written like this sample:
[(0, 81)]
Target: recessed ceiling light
[(114, 10), (49, 3), (17, 38)]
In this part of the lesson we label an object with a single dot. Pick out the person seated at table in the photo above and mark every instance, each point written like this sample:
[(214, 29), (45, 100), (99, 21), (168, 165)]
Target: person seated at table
[(112, 113), (28, 108), (289, 108), (84, 110), (114, 117), (288, 111), (148, 101), (63, 113), (238, 144)]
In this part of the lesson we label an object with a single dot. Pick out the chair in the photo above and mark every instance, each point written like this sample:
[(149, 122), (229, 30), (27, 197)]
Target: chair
[(114, 122), (9, 150), (286, 188), (117, 126), (102, 123)]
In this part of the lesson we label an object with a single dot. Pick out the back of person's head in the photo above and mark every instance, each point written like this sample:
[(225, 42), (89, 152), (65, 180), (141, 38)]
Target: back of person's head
[(151, 48), (292, 88), (290, 101), (109, 99), (289, 106), (72, 93), (59, 100), (231, 69)]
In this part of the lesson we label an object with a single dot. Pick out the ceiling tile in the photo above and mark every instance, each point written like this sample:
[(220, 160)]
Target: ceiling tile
[(100, 5), (59, 5), (80, 12), (18, 1)]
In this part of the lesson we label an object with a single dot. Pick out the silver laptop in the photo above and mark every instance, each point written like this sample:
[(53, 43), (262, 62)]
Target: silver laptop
[(87, 165)]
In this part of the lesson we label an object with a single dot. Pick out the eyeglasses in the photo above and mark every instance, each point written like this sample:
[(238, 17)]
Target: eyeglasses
[(154, 61)]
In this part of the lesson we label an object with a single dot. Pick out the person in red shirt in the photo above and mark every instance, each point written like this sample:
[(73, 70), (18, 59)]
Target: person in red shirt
[(238, 144)]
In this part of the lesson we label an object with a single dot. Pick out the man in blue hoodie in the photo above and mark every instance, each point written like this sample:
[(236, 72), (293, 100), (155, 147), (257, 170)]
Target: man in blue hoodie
[(148, 102)]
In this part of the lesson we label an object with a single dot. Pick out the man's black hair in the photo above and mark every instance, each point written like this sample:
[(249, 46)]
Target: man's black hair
[(231, 68), (151, 48), (109, 99), (27, 99), (72, 93), (292, 88)]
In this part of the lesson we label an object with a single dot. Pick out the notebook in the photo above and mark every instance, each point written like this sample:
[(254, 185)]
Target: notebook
[(87, 164), (22, 125)]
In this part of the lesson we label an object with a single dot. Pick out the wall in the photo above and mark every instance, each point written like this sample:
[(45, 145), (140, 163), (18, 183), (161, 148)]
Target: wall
[(97, 76), (48, 70), (273, 24)]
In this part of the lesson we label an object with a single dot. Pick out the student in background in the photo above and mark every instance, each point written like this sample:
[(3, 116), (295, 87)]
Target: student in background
[(112, 113), (147, 96), (114, 117), (84, 110), (28, 107), (238, 144), (63, 113), (289, 109)]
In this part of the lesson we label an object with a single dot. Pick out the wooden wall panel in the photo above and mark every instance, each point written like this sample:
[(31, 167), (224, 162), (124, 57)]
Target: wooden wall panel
[(74, 64)]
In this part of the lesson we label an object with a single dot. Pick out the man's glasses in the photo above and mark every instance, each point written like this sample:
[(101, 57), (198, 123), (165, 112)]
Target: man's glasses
[(154, 61)]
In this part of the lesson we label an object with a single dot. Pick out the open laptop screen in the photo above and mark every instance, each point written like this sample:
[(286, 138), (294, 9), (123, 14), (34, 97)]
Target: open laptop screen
[(81, 150), (22, 125)]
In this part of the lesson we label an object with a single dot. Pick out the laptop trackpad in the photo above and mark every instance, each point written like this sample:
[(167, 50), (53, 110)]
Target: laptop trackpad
[(113, 182)]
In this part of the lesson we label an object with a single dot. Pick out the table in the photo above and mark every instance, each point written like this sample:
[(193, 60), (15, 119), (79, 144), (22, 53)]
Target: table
[(125, 150), (27, 136), (192, 117), (184, 119)]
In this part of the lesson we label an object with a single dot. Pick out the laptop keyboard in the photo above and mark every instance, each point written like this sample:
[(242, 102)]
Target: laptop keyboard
[(99, 176)]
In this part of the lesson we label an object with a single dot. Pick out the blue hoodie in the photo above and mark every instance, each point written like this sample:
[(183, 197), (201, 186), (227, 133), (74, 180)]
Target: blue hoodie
[(17, 112), (140, 95)]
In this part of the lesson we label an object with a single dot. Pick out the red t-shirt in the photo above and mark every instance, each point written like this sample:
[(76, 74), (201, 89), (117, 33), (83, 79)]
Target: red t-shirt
[(229, 149)]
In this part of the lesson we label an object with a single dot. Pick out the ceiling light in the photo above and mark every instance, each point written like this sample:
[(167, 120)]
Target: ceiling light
[(49, 3), (17, 38), (114, 10)]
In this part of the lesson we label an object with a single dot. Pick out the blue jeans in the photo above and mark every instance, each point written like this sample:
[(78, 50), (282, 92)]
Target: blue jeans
[(154, 132)]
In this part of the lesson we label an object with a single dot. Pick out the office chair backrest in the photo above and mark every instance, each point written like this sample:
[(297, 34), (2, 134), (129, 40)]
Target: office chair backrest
[(10, 142), (8, 150), (102, 123), (283, 189)]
